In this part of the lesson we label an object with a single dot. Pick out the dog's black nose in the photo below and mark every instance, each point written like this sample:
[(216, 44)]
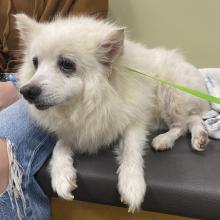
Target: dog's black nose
[(30, 92)]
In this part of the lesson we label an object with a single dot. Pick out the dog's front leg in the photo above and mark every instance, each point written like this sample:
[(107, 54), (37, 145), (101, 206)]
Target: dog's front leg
[(63, 174), (131, 182)]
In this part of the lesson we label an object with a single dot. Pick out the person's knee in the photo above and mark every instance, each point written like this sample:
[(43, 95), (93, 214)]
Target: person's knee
[(4, 165)]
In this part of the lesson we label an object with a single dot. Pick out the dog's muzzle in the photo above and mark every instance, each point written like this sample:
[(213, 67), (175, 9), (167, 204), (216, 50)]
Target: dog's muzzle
[(32, 93)]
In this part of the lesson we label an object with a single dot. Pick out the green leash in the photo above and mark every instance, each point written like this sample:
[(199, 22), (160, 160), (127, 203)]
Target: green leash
[(180, 87)]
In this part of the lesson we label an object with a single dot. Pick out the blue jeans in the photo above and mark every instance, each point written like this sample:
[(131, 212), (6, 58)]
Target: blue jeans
[(29, 146)]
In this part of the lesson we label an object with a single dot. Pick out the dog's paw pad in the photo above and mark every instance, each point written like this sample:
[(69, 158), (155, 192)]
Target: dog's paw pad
[(200, 140), (162, 142)]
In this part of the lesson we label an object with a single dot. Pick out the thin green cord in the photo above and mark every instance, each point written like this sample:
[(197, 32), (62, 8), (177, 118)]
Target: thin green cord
[(178, 86)]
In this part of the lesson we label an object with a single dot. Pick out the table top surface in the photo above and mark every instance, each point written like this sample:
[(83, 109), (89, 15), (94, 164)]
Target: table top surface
[(180, 181)]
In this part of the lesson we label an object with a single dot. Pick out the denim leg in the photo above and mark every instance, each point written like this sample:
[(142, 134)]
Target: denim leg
[(29, 146)]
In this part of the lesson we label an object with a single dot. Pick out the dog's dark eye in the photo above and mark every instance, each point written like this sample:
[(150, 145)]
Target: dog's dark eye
[(66, 65), (35, 62)]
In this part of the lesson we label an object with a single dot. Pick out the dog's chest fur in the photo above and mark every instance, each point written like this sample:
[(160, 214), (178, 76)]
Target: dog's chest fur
[(85, 130)]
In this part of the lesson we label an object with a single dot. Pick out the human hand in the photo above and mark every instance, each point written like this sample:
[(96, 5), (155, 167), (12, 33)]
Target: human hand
[(8, 94)]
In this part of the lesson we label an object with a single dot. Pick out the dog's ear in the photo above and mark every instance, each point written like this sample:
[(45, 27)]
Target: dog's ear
[(26, 26), (111, 47)]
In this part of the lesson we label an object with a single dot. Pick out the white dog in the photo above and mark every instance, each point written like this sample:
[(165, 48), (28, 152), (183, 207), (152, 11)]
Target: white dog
[(75, 77)]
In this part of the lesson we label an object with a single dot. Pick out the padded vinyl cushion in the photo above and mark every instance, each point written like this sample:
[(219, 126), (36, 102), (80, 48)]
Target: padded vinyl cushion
[(180, 181)]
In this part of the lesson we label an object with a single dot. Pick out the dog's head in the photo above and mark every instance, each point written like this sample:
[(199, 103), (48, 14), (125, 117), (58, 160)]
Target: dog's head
[(65, 57)]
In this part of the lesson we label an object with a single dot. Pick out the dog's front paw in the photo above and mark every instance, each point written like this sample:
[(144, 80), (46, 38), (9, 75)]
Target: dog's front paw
[(132, 188), (64, 182)]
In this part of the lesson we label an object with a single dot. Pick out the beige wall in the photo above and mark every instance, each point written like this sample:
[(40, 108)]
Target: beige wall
[(191, 25)]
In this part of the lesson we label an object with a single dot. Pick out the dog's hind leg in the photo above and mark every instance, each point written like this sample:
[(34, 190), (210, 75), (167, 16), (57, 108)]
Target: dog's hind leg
[(166, 141), (199, 134)]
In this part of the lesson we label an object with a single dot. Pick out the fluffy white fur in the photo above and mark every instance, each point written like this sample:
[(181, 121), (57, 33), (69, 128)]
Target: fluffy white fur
[(102, 101)]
